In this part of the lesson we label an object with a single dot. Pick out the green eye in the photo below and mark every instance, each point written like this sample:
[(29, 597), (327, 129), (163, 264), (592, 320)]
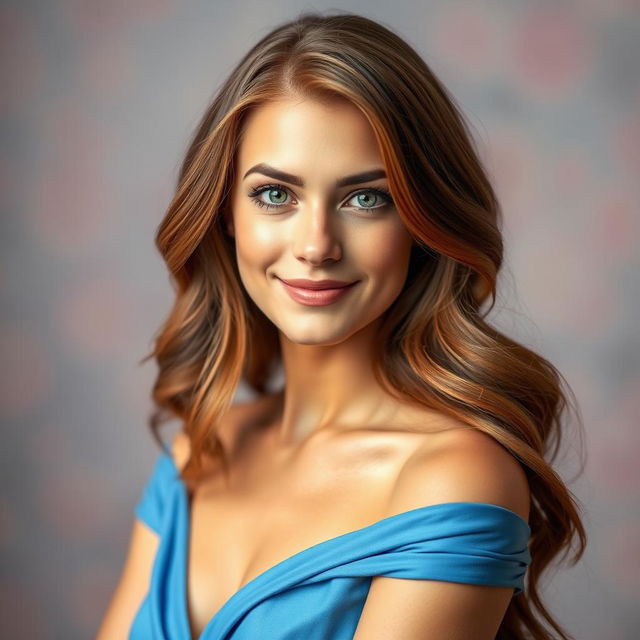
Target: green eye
[(282, 193), (366, 199), (276, 195)]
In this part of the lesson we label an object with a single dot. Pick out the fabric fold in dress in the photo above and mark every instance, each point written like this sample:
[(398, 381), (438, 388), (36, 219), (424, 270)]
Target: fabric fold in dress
[(319, 593)]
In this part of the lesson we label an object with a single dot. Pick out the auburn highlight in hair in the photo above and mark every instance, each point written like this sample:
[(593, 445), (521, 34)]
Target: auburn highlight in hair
[(435, 347)]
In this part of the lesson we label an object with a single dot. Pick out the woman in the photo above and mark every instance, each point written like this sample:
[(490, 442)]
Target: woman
[(332, 217)]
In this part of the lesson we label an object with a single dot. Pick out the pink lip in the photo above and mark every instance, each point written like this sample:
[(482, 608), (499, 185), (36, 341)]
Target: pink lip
[(317, 297), (315, 284)]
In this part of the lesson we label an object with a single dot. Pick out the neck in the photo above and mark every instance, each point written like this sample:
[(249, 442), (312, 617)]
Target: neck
[(327, 384)]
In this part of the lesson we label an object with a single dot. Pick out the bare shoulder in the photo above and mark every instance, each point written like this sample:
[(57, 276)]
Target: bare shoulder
[(456, 463), (461, 465)]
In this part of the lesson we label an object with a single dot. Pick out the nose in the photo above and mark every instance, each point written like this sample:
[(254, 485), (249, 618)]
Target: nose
[(316, 235)]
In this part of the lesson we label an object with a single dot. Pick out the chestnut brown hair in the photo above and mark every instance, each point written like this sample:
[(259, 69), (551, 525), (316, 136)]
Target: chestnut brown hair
[(435, 347)]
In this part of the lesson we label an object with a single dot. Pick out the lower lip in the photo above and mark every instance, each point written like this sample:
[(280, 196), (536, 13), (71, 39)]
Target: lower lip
[(316, 297)]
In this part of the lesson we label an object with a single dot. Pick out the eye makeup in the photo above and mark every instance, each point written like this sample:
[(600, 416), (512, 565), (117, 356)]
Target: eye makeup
[(256, 192)]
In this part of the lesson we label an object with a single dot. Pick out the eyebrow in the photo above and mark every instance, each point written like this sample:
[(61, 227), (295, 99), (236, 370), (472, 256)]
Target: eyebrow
[(276, 174)]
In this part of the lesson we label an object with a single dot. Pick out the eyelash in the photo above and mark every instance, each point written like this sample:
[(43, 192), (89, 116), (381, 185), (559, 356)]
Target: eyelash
[(254, 193)]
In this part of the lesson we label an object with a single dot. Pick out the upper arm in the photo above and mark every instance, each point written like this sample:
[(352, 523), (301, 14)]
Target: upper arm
[(133, 584), (136, 573), (473, 468)]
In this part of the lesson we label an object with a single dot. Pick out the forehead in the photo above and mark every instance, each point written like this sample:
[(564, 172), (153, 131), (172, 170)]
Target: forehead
[(304, 131)]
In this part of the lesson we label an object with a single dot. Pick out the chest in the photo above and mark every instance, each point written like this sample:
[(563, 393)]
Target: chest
[(237, 534)]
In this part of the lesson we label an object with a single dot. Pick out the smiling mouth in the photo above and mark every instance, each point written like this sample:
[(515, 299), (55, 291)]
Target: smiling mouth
[(317, 297), (315, 285)]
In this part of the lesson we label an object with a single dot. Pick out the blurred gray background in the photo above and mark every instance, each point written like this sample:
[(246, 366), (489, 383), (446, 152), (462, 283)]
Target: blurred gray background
[(99, 100)]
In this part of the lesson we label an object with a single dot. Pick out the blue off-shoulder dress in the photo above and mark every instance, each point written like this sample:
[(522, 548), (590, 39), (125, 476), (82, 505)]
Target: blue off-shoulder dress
[(319, 593)]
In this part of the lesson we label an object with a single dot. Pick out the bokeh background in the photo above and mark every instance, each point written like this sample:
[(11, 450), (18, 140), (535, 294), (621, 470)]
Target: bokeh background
[(98, 102)]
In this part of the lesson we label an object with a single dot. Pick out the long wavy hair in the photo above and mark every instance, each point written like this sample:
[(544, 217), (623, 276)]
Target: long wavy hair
[(435, 347)]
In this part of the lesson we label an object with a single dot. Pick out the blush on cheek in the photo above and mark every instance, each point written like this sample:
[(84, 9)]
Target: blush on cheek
[(265, 235), (254, 256), (387, 260), (387, 252), (255, 239)]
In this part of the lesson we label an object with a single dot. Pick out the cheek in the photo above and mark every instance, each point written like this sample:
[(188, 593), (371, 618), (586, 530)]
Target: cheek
[(256, 244), (387, 251)]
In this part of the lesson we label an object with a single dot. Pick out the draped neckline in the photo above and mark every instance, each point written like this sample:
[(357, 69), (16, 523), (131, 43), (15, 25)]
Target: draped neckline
[(282, 565)]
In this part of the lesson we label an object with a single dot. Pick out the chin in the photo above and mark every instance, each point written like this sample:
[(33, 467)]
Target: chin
[(319, 336)]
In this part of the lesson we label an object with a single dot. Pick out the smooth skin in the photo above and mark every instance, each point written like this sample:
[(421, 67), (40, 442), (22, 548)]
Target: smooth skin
[(319, 230), (332, 432)]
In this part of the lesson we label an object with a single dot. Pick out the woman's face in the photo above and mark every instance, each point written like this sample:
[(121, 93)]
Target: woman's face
[(295, 217)]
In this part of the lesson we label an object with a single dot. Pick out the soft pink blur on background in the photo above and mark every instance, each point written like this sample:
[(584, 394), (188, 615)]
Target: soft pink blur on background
[(99, 99)]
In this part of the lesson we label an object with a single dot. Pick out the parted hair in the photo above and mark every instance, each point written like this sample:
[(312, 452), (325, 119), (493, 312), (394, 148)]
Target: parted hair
[(435, 346)]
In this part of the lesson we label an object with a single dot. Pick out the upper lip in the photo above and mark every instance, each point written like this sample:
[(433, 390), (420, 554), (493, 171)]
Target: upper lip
[(317, 284)]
